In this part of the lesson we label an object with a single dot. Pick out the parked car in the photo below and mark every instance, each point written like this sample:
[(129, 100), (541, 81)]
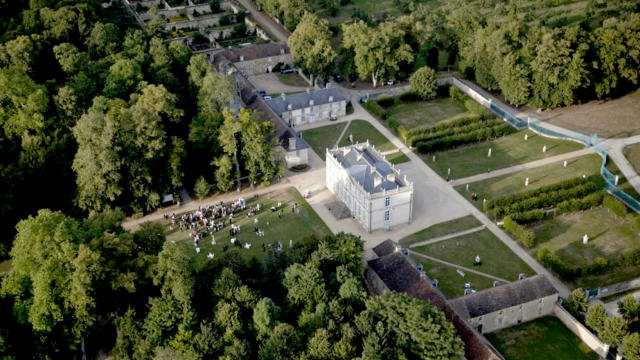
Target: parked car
[(390, 82), (337, 77), (262, 92), (267, 97), (288, 71)]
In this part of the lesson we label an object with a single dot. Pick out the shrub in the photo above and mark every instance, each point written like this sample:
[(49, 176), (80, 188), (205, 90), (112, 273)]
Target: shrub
[(457, 95), (423, 82), (402, 132), (387, 102), (450, 142), (527, 217), (394, 124), (615, 205), (524, 236), (409, 96), (376, 109)]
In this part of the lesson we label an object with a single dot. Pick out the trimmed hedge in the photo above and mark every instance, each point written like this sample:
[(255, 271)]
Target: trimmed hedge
[(387, 102), (615, 205), (456, 127), (450, 142), (525, 237), (409, 97), (376, 109), (545, 200), (563, 185)]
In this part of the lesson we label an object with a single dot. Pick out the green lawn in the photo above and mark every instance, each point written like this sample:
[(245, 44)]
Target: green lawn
[(290, 227), (497, 259), (609, 237), (322, 138), (421, 113), (506, 151), (538, 177), (292, 80), (545, 338), (632, 153), (449, 281), (441, 229), (363, 131)]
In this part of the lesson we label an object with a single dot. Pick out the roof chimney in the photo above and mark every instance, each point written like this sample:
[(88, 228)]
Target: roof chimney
[(289, 107), (330, 99), (310, 102), (283, 96)]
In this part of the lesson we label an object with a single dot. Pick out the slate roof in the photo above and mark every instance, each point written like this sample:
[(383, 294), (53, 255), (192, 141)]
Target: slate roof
[(503, 297), (369, 170), (385, 248), (400, 274), (301, 100), (255, 51)]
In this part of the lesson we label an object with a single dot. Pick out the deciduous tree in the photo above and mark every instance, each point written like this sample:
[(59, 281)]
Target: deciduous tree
[(310, 45)]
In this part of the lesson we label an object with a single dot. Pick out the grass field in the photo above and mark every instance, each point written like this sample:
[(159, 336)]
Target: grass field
[(609, 237), (506, 151), (292, 80), (363, 131), (441, 229), (322, 138), (497, 259), (291, 226), (426, 113), (538, 177), (449, 281), (544, 338), (632, 153)]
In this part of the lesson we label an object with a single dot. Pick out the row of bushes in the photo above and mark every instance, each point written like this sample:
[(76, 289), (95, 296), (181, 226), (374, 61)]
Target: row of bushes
[(524, 236), (450, 142), (443, 125), (466, 127), (545, 200), (376, 109), (563, 185), (570, 205)]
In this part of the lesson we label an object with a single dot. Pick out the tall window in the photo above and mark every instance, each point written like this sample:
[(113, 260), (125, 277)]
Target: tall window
[(387, 215), (387, 201)]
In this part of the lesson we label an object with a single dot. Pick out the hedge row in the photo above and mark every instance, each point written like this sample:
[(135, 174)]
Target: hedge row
[(443, 125), (566, 206), (376, 109), (450, 142), (524, 236), (545, 200), (563, 185), (452, 130)]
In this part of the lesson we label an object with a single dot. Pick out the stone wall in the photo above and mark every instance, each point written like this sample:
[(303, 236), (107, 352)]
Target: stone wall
[(581, 331), (514, 315), (263, 65)]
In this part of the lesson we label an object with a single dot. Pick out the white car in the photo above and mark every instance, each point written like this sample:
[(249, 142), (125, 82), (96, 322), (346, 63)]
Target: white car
[(267, 97)]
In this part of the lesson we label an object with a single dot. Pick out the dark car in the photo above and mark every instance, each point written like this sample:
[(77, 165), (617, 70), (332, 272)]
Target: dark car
[(338, 77), (288, 70), (262, 92)]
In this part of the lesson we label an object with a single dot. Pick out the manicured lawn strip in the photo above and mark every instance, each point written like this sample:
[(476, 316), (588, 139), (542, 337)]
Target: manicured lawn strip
[(449, 281), (538, 177), (623, 184), (363, 131), (441, 229), (290, 227), (323, 137), (292, 79), (421, 113), (397, 157), (506, 151), (497, 259), (544, 338)]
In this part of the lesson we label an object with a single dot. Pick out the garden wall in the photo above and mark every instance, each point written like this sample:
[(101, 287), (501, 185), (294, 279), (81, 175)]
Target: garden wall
[(581, 331)]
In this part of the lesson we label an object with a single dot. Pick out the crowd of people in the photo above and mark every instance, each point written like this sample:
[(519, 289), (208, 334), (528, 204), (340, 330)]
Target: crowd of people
[(209, 220)]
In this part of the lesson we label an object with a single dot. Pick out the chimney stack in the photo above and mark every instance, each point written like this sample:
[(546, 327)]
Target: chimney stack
[(283, 96)]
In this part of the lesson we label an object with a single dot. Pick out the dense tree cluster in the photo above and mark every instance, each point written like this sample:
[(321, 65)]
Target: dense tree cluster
[(153, 299), (110, 115)]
